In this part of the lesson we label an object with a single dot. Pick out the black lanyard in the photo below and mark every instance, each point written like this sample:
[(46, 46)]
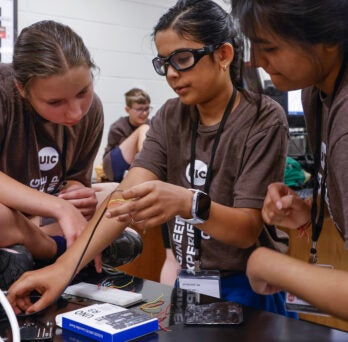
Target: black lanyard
[(197, 235), (63, 156), (317, 219)]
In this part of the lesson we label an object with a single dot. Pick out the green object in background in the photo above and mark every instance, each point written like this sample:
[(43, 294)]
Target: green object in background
[(294, 175)]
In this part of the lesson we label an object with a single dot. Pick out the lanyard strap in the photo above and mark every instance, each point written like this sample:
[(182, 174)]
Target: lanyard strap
[(63, 156), (317, 219), (197, 235)]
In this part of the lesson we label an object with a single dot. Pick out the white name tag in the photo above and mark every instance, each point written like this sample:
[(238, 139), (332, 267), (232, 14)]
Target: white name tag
[(296, 304), (205, 282)]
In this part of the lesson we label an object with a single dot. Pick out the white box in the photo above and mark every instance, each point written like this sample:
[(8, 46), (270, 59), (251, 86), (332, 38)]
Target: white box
[(107, 322)]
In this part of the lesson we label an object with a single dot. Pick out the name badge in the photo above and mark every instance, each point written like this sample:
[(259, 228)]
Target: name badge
[(206, 282), (295, 304)]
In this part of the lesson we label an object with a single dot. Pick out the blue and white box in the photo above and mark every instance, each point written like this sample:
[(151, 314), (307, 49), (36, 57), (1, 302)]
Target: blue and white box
[(107, 322)]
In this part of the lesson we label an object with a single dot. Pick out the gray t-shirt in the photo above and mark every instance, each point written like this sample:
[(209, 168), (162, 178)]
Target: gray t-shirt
[(31, 147), (334, 145), (240, 175)]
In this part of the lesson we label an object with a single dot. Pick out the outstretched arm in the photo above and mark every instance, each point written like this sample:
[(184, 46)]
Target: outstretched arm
[(18, 196), (325, 288), (156, 202), (51, 281)]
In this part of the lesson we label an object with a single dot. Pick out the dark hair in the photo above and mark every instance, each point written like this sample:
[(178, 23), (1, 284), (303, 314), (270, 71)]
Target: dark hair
[(308, 22), (206, 22), (47, 48)]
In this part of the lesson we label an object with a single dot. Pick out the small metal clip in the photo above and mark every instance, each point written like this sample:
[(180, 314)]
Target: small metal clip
[(197, 261), (313, 258), (197, 266)]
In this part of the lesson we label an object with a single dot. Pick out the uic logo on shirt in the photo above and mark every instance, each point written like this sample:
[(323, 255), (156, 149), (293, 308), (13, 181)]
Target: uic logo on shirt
[(48, 158), (199, 174)]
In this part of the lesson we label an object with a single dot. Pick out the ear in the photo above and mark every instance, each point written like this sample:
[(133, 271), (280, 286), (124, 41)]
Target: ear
[(332, 48), (127, 109), (20, 88), (226, 54)]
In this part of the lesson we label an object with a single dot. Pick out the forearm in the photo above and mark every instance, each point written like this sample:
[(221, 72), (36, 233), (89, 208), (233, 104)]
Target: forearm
[(20, 197), (107, 229), (156, 202), (324, 288), (135, 176), (239, 227), (104, 231)]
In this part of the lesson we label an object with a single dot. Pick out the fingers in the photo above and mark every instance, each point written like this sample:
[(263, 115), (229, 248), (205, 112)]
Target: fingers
[(19, 304), (118, 208), (145, 205), (39, 281), (278, 203), (138, 191), (122, 208), (19, 293), (70, 237), (86, 206), (80, 197), (77, 191), (87, 213), (137, 215), (98, 263), (44, 301), (144, 225), (275, 193), (83, 199), (275, 213)]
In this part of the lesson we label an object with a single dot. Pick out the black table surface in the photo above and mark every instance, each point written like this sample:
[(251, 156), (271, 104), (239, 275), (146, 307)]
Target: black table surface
[(257, 325)]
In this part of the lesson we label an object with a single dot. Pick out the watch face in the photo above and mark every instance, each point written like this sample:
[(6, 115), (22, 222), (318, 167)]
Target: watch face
[(203, 206)]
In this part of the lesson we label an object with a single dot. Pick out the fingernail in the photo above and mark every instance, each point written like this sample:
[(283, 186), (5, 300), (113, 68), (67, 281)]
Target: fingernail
[(279, 205)]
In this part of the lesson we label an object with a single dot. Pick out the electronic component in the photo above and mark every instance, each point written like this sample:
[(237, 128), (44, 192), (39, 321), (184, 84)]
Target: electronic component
[(104, 294), (215, 313), (37, 331)]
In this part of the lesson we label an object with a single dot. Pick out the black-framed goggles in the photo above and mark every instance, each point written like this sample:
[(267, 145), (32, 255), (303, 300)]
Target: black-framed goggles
[(182, 59)]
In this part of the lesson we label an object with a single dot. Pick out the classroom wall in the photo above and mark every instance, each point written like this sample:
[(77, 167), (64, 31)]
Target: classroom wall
[(118, 35)]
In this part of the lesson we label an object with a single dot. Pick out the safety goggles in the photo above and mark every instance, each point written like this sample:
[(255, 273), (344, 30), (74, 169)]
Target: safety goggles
[(182, 59)]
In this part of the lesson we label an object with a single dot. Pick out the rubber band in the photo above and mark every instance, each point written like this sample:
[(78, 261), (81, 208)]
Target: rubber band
[(161, 315), (154, 304), (118, 201)]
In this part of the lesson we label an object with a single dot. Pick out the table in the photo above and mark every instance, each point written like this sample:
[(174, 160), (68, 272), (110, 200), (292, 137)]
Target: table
[(258, 326)]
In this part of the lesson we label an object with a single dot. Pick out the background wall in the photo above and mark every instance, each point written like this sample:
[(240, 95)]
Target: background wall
[(118, 35)]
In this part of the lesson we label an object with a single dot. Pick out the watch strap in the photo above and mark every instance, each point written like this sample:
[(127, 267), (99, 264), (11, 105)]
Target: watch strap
[(194, 219)]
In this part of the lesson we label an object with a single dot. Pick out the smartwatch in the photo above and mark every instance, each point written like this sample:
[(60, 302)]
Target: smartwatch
[(200, 207)]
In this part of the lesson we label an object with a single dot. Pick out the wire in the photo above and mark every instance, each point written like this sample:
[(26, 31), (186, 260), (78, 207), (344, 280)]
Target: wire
[(109, 282), (16, 336), (90, 237), (83, 252)]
